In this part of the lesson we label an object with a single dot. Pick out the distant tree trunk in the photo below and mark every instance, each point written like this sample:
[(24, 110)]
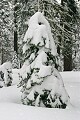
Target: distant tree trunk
[(68, 56), (72, 11), (15, 27), (68, 41), (15, 41), (67, 50), (2, 57), (60, 36), (68, 62)]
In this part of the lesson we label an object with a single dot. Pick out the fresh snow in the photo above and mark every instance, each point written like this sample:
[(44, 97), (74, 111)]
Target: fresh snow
[(21, 112), (12, 109)]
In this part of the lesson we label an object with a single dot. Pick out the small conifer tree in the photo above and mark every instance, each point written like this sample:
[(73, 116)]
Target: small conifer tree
[(6, 74), (41, 83), (15, 61)]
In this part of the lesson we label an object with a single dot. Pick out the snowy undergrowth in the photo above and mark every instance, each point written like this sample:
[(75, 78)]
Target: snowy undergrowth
[(5, 74)]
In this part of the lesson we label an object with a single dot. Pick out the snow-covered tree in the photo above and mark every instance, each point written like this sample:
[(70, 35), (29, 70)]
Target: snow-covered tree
[(15, 60), (1, 79), (41, 83), (69, 22), (76, 47), (6, 37), (6, 74)]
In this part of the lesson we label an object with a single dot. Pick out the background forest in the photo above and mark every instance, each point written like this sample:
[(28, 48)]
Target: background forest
[(64, 19)]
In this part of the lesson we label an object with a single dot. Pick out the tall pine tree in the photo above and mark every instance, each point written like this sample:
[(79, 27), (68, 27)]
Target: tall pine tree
[(69, 23)]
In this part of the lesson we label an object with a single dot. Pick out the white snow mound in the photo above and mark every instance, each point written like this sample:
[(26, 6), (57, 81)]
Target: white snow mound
[(39, 31)]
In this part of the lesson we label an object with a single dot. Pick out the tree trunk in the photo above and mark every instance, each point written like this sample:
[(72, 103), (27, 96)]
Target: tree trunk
[(68, 62), (67, 52), (15, 27), (15, 41), (60, 36), (2, 57)]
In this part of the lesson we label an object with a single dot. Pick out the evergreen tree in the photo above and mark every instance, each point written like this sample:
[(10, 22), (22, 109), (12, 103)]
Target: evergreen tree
[(41, 83), (6, 74), (15, 27), (6, 37), (14, 15), (76, 47), (69, 23), (15, 61)]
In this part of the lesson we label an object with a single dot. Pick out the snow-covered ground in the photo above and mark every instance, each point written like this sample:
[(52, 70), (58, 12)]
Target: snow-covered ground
[(12, 109)]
